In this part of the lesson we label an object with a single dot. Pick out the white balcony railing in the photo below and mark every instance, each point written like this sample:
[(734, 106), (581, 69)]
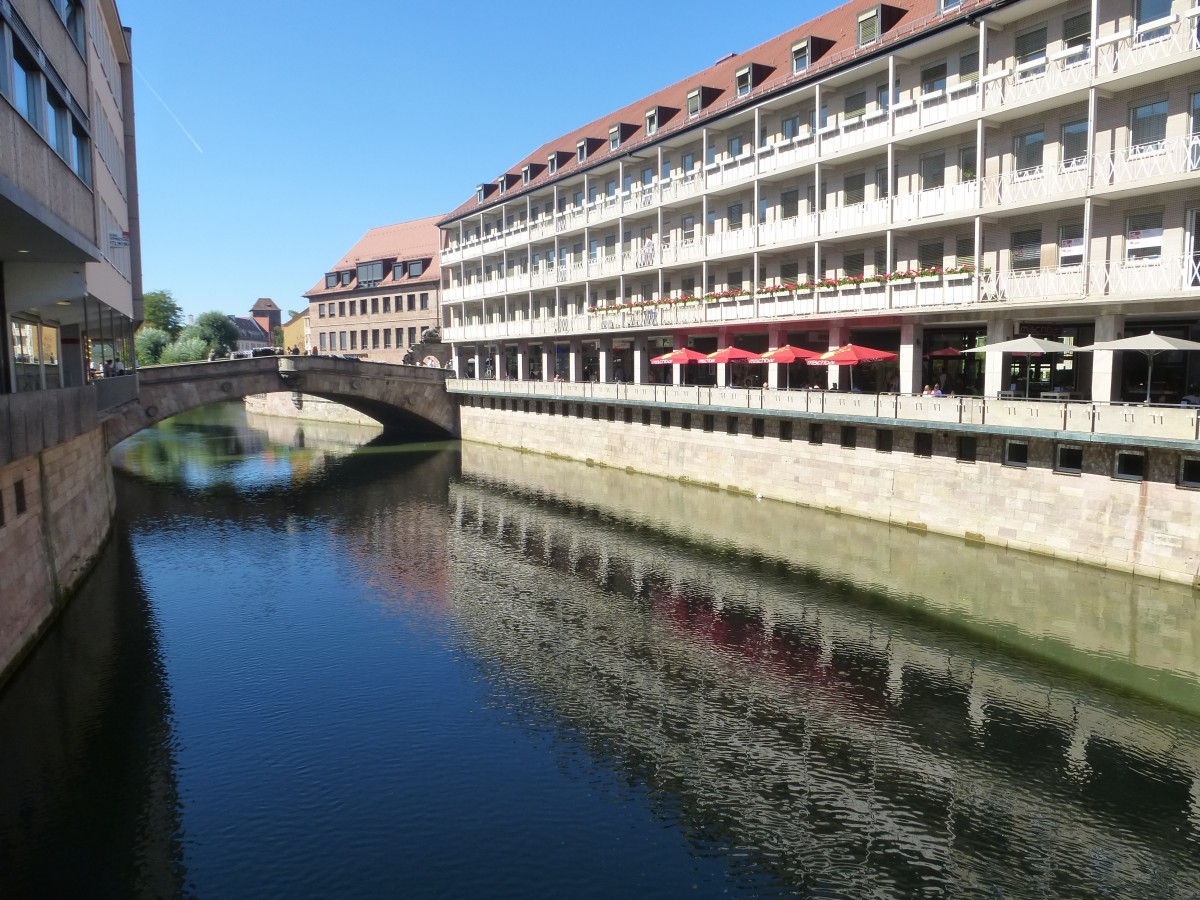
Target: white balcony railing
[(787, 153), (682, 185), (1152, 43), (729, 241), (873, 213), (1158, 159), (684, 250), (730, 171)]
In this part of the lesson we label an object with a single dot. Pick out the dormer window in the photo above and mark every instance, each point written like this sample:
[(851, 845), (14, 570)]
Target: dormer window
[(525, 175), (651, 120), (614, 137), (370, 274), (416, 268), (693, 103), (868, 26), (331, 280), (346, 276), (581, 151), (552, 163), (397, 271), (799, 57), (741, 82), (479, 193), (502, 183)]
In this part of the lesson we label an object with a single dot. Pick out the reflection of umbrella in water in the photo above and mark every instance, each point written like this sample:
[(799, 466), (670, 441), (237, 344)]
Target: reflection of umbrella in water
[(786, 355), (1148, 344), (851, 355), (677, 356), (1027, 347)]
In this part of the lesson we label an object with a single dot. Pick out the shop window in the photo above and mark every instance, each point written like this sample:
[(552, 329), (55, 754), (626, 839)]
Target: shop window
[(785, 431), (758, 428), (612, 414), (923, 443), (550, 409), (849, 437), (664, 418), (595, 412), (645, 417), (1068, 459), (1016, 454), (579, 410), (1130, 465), (710, 422), (968, 448), (629, 415), (816, 433), (731, 424), (883, 440), (685, 421)]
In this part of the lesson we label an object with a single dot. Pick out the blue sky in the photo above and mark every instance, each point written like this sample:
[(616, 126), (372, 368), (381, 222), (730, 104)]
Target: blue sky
[(272, 135)]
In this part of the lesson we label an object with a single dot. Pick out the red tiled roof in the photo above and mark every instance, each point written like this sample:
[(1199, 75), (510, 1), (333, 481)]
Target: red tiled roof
[(838, 28), (417, 239)]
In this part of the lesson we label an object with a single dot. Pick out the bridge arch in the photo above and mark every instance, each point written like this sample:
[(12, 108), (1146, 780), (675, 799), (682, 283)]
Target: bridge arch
[(403, 399)]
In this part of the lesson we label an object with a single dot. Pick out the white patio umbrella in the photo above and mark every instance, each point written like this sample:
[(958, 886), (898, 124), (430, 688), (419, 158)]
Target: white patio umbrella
[(1149, 344), (1027, 346)]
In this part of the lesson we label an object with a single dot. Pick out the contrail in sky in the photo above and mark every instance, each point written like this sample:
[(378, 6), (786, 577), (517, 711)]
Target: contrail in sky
[(170, 112)]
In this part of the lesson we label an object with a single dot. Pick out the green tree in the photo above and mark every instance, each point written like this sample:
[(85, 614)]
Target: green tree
[(189, 348), (159, 310), (217, 330), (277, 336), (149, 342)]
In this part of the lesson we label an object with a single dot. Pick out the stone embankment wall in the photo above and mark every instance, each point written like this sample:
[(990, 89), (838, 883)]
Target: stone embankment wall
[(1146, 527), (305, 406), (56, 509)]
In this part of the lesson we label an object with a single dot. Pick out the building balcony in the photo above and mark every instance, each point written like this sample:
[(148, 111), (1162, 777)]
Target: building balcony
[(724, 242), (870, 214), (788, 153), (605, 208), (726, 172), (685, 250), (1147, 47)]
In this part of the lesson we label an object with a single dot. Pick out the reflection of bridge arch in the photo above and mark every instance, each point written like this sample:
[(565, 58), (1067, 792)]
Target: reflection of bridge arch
[(407, 399), (737, 699)]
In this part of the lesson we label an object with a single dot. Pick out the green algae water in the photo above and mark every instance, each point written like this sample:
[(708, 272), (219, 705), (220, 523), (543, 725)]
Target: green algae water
[(312, 664)]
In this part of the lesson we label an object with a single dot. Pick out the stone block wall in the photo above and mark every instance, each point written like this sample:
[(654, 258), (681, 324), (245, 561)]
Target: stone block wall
[(58, 505), (1147, 527)]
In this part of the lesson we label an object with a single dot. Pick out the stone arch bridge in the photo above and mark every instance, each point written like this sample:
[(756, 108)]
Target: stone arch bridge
[(404, 399)]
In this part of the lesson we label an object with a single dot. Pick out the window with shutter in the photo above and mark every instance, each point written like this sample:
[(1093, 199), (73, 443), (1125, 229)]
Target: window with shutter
[(1027, 153), (966, 165), (741, 82), (1148, 128), (1147, 12), (933, 78), (881, 183), (1070, 244), (880, 261), (789, 204), (854, 264), (868, 27), (929, 254), (964, 250), (1026, 249), (856, 104), (968, 67), (1077, 30), (1143, 235), (800, 57), (854, 189), (933, 171), (1031, 52), (1074, 144), (789, 273)]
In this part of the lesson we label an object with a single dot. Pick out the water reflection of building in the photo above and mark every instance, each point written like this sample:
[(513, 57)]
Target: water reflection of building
[(1143, 633), (844, 744)]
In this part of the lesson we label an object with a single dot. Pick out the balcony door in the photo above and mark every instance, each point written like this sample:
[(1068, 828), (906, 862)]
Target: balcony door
[(1191, 251)]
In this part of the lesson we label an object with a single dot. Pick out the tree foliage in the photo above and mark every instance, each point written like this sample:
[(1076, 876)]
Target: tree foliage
[(159, 310), (277, 336), (149, 342), (189, 348), (216, 330)]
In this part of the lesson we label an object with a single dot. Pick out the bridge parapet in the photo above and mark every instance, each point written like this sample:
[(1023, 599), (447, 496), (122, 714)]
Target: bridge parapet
[(404, 399)]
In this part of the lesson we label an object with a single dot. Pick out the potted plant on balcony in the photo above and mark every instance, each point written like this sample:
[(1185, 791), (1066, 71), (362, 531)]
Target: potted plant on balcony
[(959, 273), (827, 284), (903, 276), (929, 274)]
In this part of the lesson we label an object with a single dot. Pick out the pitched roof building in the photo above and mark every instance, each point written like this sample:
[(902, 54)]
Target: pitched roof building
[(381, 296), (916, 176)]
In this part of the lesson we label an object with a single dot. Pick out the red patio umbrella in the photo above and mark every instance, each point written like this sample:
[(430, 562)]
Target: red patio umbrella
[(677, 356), (785, 354), (944, 353), (851, 355), (728, 354)]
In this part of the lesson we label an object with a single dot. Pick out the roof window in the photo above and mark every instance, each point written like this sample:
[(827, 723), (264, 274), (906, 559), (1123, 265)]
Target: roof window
[(552, 163), (652, 120), (800, 57), (331, 280), (741, 82), (581, 151), (693, 103), (868, 26), (614, 137), (479, 193), (525, 175)]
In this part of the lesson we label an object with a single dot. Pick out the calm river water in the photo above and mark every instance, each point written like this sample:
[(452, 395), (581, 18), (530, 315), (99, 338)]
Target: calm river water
[(312, 666)]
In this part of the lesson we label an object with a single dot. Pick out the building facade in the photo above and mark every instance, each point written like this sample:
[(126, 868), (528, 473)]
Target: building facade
[(70, 277), (922, 176), (381, 297)]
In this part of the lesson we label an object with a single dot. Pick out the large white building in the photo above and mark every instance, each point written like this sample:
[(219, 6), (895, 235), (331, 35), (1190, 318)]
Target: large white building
[(70, 279), (916, 176)]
